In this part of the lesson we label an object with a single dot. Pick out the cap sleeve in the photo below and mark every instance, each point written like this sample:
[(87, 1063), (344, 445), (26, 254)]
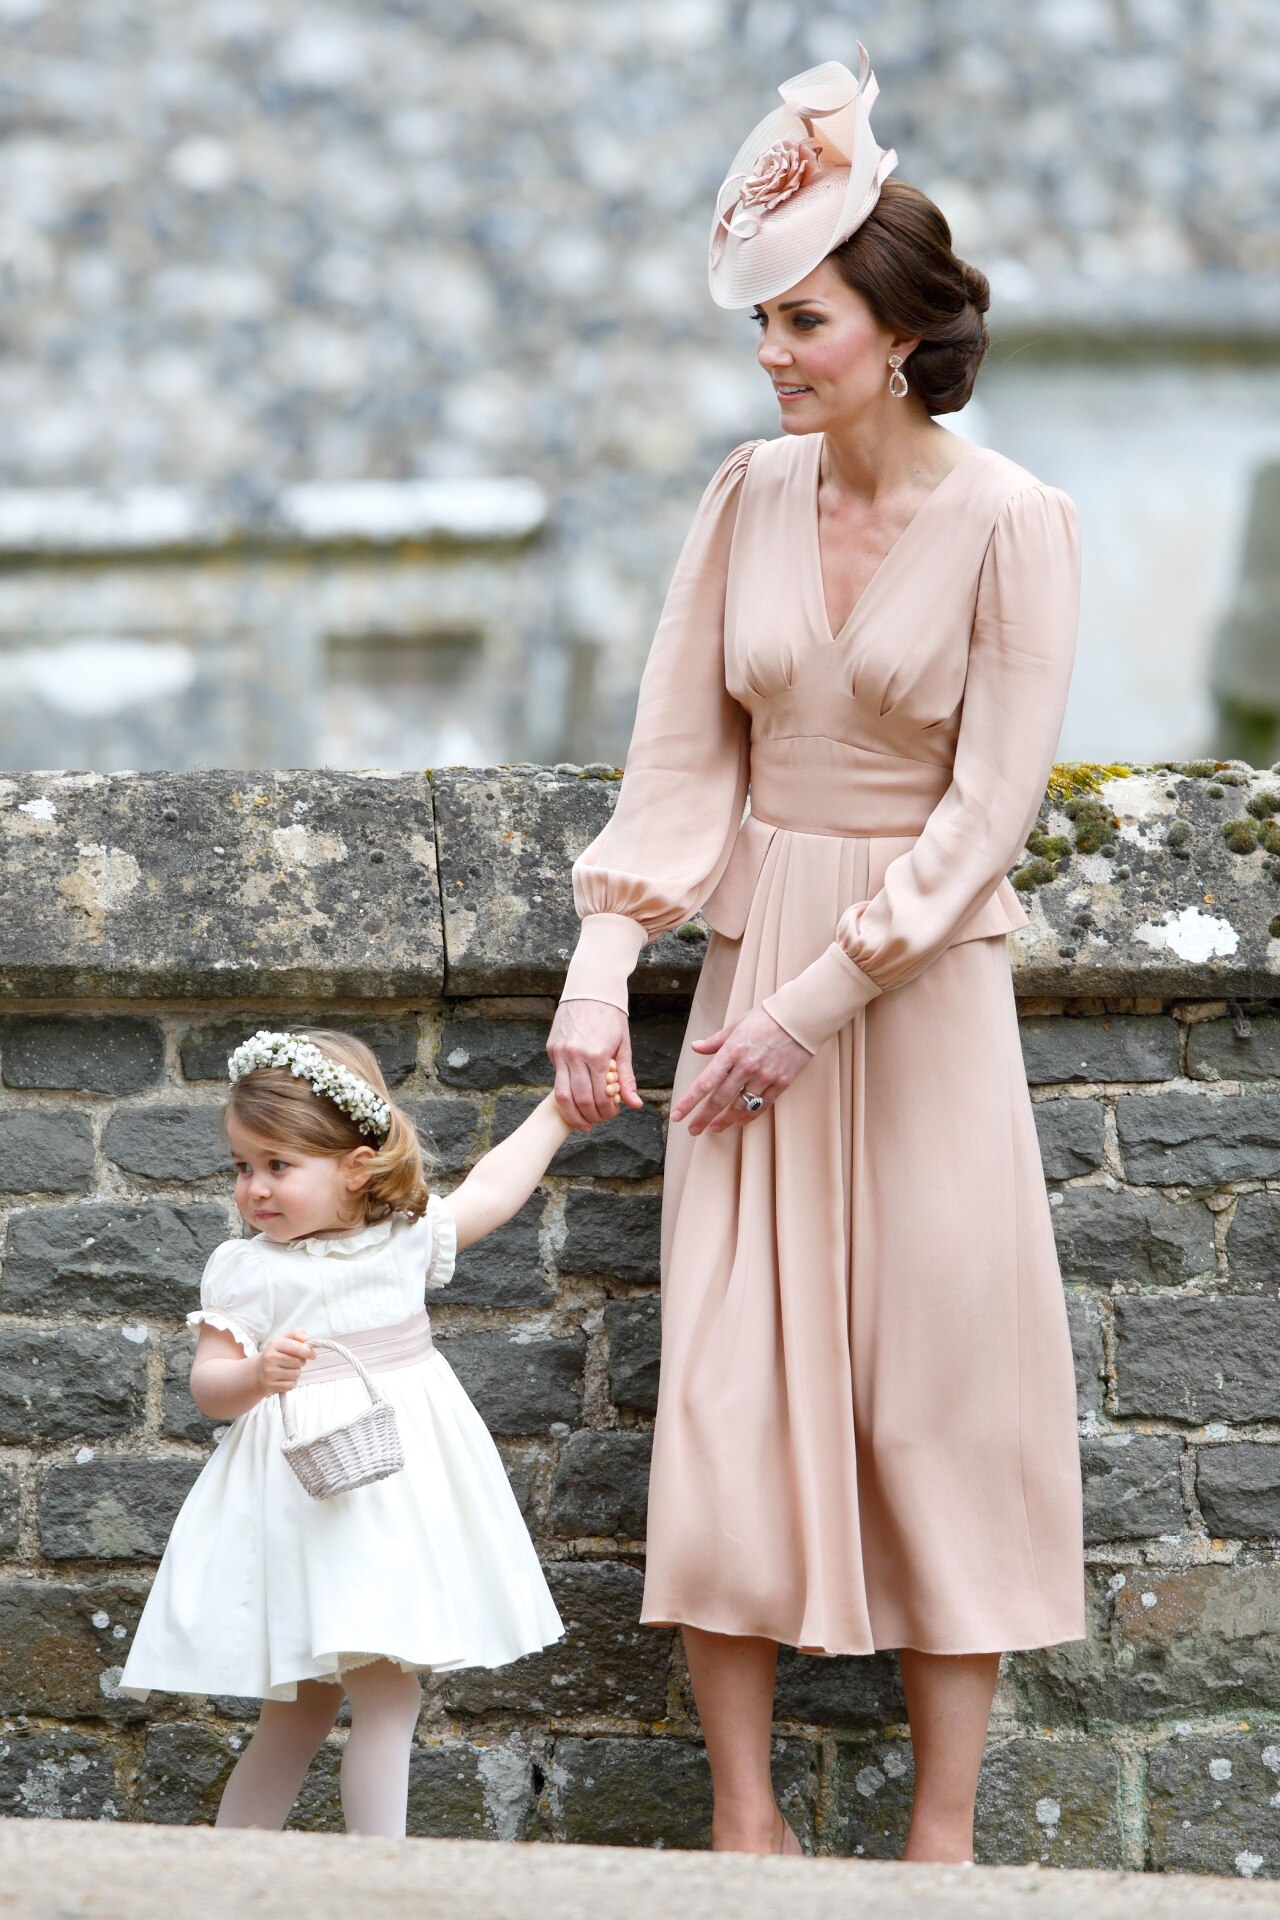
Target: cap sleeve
[(233, 1295), (444, 1242), (668, 840)]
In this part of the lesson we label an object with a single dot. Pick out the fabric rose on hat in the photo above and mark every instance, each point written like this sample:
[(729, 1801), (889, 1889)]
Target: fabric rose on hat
[(781, 170)]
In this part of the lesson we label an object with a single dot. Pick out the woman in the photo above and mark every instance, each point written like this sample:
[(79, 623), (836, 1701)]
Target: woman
[(866, 1428)]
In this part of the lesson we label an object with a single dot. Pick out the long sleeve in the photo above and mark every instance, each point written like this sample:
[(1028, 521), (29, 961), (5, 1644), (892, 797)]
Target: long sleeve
[(1020, 659), (685, 783)]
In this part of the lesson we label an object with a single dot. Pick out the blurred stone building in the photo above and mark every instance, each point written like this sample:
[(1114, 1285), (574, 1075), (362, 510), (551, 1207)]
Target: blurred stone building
[(358, 375)]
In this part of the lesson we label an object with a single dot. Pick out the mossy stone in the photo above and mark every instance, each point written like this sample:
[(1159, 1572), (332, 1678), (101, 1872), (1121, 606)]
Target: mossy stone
[(1048, 846), (1036, 873), (1241, 836), (1094, 824)]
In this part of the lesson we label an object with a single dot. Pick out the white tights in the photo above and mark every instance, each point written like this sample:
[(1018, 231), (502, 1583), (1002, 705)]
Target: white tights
[(268, 1776)]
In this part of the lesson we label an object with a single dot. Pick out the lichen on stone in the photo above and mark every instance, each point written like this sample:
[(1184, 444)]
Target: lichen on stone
[(1069, 778)]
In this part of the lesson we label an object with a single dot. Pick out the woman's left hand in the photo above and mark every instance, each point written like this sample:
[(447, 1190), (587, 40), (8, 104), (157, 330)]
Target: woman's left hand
[(755, 1053)]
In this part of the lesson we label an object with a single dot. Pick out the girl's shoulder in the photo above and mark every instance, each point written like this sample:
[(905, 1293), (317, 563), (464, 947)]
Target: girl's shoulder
[(230, 1261), (234, 1293), (427, 1242)]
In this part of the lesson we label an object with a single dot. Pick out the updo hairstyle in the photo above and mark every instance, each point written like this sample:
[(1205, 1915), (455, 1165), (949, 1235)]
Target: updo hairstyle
[(902, 263)]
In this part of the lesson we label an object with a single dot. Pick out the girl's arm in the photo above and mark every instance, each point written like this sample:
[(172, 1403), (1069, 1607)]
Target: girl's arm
[(500, 1183), (225, 1382)]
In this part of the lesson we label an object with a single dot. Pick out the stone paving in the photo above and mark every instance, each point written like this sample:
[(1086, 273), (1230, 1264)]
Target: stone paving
[(140, 1873)]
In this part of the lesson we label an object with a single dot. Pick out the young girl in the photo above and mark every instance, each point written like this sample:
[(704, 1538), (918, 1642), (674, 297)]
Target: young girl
[(265, 1591)]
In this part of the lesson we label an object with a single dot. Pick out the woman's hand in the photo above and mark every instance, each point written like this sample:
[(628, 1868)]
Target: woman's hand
[(586, 1035), (755, 1053), (282, 1359)]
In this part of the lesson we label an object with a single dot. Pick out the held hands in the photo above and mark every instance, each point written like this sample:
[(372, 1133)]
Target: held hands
[(754, 1053), (587, 1039), (503, 1179), (282, 1359)]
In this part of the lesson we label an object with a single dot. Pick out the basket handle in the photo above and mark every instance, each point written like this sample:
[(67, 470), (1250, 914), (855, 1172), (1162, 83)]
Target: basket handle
[(322, 1340)]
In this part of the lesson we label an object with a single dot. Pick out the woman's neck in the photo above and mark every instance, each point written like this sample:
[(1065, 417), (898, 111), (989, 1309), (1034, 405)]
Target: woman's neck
[(868, 465)]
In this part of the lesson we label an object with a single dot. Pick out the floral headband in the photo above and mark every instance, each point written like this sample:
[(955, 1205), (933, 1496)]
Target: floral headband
[(347, 1090)]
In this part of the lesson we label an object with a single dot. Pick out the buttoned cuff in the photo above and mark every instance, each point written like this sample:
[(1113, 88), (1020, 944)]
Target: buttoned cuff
[(819, 1001), (609, 945)]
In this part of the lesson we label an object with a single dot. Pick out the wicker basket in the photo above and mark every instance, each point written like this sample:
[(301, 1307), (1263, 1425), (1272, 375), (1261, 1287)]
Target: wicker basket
[(361, 1450)]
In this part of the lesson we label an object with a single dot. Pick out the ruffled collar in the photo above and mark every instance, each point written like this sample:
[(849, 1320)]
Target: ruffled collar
[(358, 1240)]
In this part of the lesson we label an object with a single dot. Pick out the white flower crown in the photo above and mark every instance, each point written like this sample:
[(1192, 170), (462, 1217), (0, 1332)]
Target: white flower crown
[(347, 1090)]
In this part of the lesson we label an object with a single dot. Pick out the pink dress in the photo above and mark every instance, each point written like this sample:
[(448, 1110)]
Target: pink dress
[(866, 1430)]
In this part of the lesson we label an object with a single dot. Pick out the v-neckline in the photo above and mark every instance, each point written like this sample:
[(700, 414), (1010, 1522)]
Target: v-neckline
[(815, 484)]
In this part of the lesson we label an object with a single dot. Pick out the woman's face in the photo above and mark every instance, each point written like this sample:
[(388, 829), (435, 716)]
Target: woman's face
[(826, 353)]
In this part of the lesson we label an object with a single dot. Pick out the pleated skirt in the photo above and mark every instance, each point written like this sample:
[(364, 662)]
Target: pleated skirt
[(866, 1431)]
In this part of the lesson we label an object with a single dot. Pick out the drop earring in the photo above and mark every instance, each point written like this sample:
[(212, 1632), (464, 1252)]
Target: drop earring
[(897, 379)]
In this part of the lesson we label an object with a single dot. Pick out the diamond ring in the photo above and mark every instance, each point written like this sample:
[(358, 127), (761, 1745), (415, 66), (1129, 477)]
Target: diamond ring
[(752, 1101)]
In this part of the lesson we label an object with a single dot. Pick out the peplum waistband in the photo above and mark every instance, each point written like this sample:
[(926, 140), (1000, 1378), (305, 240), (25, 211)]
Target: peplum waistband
[(810, 783), (380, 1349)]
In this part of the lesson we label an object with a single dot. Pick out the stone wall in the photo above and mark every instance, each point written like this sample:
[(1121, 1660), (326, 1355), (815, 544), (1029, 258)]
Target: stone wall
[(242, 246), (245, 246), (147, 923), (369, 624)]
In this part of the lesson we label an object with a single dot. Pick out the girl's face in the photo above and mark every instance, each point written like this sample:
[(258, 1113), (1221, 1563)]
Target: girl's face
[(827, 354), (286, 1194)]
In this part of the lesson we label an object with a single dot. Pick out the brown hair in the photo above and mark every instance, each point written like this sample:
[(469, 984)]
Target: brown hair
[(281, 1107), (902, 263)]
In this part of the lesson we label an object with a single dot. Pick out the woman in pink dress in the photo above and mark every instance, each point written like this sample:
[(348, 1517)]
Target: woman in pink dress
[(866, 1430)]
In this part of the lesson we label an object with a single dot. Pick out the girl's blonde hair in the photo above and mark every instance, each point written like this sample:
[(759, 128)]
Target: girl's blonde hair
[(279, 1106)]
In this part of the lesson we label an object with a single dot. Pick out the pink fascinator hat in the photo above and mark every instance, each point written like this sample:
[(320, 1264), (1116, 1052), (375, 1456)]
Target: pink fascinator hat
[(805, 178)]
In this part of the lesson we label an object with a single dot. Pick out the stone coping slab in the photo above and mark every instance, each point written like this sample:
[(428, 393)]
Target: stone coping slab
[(126, 1872), (1145, 881), (217, 883), (40, 521)]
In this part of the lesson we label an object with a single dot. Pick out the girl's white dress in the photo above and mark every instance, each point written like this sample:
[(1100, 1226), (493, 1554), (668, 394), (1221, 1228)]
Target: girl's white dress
[(262, 1586)]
